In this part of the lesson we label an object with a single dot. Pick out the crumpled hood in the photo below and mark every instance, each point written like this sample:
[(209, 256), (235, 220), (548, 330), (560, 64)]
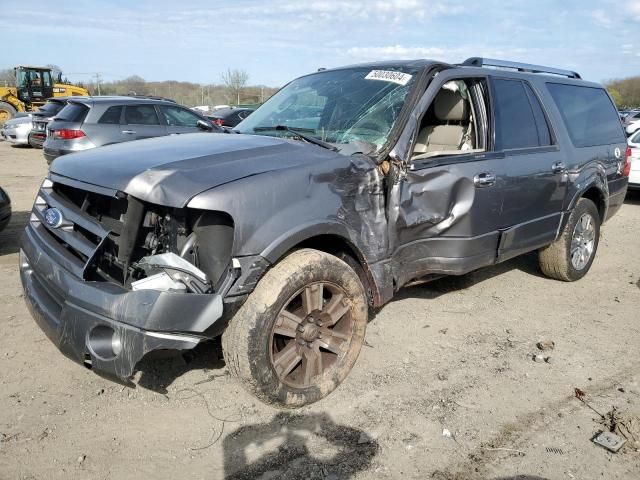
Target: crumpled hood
[(171, 170)]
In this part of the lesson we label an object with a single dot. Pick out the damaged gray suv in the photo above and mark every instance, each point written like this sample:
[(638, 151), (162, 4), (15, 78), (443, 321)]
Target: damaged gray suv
[(344, 186)]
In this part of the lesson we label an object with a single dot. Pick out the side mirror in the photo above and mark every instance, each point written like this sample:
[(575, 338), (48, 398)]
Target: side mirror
[(202, 125)]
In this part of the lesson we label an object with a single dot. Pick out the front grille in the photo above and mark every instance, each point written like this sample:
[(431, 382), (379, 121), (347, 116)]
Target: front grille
[(88, 223), (101, 237)]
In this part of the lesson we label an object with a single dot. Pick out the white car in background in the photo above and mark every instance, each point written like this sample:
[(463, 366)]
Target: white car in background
[(632, 127), (634, 177), (16, 130)]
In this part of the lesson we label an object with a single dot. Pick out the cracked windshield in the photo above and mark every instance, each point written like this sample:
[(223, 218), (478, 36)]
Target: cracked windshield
[(337, 107)]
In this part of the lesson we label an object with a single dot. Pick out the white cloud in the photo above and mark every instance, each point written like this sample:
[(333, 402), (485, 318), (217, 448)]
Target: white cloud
[(452, 54), (394, 52), (633, 7), (601, 18)]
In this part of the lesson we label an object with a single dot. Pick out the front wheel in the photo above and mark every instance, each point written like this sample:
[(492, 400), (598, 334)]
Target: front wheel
[(569, 258), (299, 333), (7, 112)]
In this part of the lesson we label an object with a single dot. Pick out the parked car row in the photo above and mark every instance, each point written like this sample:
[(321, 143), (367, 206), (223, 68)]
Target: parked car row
[(69, 124)]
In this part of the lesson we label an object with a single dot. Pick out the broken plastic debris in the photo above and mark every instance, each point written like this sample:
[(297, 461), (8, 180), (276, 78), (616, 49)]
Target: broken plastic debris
[(609, 440)]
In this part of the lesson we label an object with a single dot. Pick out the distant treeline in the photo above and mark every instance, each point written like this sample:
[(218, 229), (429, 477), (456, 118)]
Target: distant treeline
[(185, 93), (625, 92), (232, 88)]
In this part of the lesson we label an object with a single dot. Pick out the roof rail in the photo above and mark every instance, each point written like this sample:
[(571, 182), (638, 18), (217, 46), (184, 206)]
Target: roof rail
[(521, 67), (151, 97)]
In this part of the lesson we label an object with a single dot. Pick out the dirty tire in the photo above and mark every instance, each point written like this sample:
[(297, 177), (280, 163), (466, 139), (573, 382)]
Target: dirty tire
[(7, 112), (555, 260), (247, 342)]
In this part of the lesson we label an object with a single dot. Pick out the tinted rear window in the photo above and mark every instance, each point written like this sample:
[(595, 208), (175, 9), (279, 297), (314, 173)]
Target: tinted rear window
[(588, 113), (73, 112), (51, 108), (111, 115)]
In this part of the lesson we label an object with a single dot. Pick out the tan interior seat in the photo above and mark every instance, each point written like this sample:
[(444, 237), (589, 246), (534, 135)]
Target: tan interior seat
[(449, 106)]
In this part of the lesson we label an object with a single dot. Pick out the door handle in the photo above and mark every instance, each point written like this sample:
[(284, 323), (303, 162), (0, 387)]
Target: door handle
[(558, 167), (129, 132), (484, 179)]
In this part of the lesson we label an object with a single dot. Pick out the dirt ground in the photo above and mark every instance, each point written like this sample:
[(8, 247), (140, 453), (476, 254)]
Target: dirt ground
[(446, 387)]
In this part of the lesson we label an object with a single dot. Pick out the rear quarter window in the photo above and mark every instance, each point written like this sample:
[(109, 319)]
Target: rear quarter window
[(588, 113), (111, 115), (73, 112)]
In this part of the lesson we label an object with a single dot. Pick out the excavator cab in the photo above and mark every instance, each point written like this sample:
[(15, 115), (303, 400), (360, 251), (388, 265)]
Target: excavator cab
[(34, 85)]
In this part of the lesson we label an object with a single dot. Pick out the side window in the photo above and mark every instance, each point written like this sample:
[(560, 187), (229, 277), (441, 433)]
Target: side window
[(141, 115), (455, 121), (515, 125), (179, 117), (111, 116), (544, 133), (588, 113)]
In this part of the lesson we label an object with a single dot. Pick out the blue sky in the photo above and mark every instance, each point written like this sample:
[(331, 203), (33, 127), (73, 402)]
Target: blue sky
[(277, 40)]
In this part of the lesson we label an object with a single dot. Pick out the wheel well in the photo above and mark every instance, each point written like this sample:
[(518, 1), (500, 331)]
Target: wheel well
[(596, 196), (345, 251)]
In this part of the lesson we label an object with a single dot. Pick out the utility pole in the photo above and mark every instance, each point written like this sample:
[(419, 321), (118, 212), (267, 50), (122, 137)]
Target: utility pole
[(98, 78)]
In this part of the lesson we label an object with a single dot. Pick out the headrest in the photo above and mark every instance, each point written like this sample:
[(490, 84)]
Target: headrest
[(450, 105)]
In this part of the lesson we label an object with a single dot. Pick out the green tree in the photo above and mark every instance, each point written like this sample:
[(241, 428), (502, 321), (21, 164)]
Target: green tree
[(617, 97)]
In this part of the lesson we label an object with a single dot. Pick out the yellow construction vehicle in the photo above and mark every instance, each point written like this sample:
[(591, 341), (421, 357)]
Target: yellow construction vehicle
[(33, 86)]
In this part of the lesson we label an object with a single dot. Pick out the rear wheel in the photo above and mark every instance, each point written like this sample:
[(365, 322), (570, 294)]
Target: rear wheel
[(299, 333), (7, 112), (569, 258)]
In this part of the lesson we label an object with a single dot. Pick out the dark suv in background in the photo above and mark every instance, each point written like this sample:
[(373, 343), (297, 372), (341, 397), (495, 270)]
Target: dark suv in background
[(229, 117), (343, 187), (41, 118), (89, 122)]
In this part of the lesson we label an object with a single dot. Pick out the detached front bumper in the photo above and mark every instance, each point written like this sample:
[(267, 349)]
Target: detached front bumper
[(103, 325)]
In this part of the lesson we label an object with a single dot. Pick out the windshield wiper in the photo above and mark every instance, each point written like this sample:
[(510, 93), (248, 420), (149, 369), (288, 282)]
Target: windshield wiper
[(298, 132)]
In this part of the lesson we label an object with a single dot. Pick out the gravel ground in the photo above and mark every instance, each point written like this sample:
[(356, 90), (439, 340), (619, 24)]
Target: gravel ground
[(445, 388)]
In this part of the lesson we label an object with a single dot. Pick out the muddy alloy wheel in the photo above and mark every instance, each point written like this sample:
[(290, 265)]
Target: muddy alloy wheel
[(311, 334), (299, 333)]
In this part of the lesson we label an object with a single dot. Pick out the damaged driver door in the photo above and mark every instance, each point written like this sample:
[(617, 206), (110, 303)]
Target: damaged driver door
[(446, 204)]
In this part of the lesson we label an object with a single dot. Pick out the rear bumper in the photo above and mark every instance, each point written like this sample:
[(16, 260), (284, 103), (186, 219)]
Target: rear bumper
[(103, 325), (50, 154), (36, 140)]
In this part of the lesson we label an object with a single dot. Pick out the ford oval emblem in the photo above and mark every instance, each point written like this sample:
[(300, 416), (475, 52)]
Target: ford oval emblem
[(53, 217)]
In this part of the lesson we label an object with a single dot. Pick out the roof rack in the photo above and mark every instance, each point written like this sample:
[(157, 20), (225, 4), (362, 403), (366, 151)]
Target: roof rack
[(521, 67), (151, 97)]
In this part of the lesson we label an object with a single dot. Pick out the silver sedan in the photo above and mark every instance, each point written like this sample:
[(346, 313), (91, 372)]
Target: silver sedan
[(17, 130)]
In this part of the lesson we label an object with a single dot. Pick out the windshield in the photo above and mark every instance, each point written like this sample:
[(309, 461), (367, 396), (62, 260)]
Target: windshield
[(338, 107)]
